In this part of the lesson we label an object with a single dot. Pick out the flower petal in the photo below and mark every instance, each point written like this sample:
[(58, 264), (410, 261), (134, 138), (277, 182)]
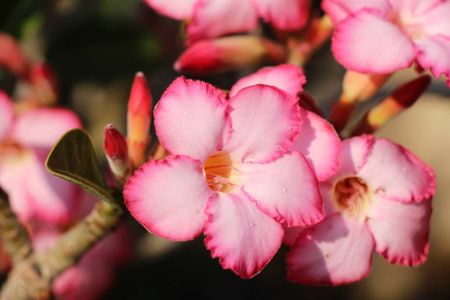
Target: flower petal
[(400, 230), (6, 114), (287, 77), (43, 127), (432, 52), (240, 235), (191, 119), (285, 189), (396, 174), (415, 8), (359, 44), (34, 193), (338, 10), (353, 156), (211, 18), (177, 9), (168, 197), (319, 143), (336, 251), (283, 14), (435, 20), (265, 122)]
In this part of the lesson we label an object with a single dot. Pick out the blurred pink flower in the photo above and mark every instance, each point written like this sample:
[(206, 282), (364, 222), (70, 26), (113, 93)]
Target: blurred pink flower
[(25, 141), (231, 174), (94, 273), (380, 197), (381, 36), (214, 18)]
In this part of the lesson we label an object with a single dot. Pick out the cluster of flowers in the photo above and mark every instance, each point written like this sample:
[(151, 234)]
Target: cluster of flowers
[(252, 168), (47, 205), (257, 166)]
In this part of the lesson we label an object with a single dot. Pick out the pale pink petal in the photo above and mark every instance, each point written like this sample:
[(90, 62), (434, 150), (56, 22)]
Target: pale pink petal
[(336, 251), (6, 114), (285, 189), (34, 193), (327, 192), (43, 127), (433, 53), (395, 173), (291, 234), (436, 20), (338, 10), (289, 78), (353, 156), (14, 171), (400, 230), (412, 9), (319, 143), (265, 122), (213, 18), (53, 199), (176, 9), (283, 14), (168, 197), (240, 235), (359, 44), (191, 119)]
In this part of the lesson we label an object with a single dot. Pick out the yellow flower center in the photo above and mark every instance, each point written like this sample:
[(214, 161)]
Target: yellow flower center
[(221, 173), (352, 196)]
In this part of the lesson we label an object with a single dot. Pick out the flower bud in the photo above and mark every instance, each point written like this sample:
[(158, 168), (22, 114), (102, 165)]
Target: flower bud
[(402, 98), (228, 53), (11, 56), (116, 150), (139, 118), (356, 87)]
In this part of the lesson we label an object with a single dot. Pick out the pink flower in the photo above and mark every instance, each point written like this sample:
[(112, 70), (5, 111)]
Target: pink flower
[(25, 141), (380, 197), (230, 175), (213, 18), (381, 36)]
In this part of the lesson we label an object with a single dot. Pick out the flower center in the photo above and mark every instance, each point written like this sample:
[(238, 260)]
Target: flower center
[(407, 24), (351, 196), (10, 148), (220, 173)]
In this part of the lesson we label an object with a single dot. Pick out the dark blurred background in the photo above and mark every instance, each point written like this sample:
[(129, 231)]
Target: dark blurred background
[(96, 47)]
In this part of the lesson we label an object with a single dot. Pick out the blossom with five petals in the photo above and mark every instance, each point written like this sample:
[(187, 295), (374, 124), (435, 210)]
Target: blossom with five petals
[(415, 30), (25, 141), (230, 174), (213, 18), (380, 196)]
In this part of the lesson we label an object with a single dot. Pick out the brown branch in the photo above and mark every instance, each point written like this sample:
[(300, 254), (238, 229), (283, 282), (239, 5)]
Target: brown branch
[(32, 279), (15, 238)]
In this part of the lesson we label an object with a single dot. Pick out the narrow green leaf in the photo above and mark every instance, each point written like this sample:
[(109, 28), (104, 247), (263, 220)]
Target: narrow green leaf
[(73, 158)]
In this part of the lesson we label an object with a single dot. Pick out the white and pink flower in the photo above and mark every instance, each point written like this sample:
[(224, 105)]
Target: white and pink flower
[(382, 36), (380, 197), (231, 174), (25, 141), (214, 18)]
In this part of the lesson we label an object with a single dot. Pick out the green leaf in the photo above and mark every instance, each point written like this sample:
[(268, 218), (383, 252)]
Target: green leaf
[(73, 158)]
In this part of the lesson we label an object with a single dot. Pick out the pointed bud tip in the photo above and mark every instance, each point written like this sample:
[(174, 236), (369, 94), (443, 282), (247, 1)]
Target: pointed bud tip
[(140, 98), (407, 94), (114, 143)]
